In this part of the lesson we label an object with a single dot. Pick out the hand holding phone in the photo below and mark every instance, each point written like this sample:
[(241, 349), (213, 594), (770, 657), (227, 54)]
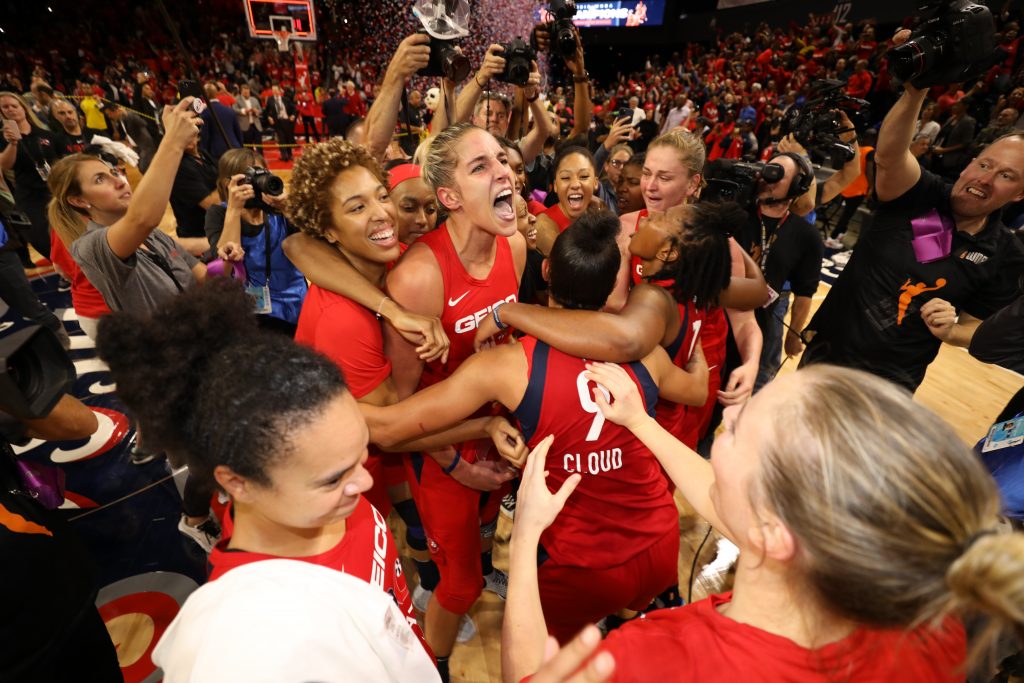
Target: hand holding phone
[(11, 131)]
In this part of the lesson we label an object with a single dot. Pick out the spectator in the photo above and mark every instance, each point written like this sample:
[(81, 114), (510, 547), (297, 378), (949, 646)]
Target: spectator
[(214, 138), (281, 115), (146, 103), (307, 109), (194, 191), (335, 117), (859, 84), (250, 116), (1003, 125), (69, 137), (29, 150), (950, 152), (131, 129), (927, 126), (95, 121)]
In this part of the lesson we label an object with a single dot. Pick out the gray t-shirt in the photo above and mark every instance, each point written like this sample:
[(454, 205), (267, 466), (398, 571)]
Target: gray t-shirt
[(136, 284)]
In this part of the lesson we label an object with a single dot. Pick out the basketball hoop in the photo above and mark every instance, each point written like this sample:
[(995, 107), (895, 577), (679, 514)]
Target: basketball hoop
[(282, 36)]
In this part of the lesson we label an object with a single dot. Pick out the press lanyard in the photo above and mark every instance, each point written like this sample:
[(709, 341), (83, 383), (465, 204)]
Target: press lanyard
[(766, 244)]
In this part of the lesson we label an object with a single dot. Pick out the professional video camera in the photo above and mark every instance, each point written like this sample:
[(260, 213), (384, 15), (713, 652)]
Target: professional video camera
[(956, 43), (35, 372), (561, 32), (736, 181), (817, 126), (518, 62), (263, 183), (444, 21)]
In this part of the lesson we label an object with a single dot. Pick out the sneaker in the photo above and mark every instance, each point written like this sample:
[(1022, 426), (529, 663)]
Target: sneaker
[(63, 285), (141, 457), (834, 243), (467, 630), (421, 598), (508, 505), (497, 583), (206, 534)]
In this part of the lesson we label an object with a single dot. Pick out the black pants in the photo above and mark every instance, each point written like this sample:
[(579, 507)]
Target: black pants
[(252, 136), (17, 293), (285, 137), (38, 235), (309, 123), (850, 205), (87, 649)]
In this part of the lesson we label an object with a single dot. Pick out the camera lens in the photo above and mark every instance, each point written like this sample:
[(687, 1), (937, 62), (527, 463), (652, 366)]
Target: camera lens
[(268, 183), (518, 72), (456, 66), (916, 57)]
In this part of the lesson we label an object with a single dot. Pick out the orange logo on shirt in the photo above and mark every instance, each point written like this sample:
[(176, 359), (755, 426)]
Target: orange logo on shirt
[(19, 525), (910, 291)]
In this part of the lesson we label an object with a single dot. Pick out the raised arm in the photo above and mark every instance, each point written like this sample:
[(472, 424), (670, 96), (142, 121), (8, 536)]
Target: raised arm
[(623, 337), (412, 54), (146, 210), (493, 65), (896, 169), (532, 143), (850, 170), (691, 473), (325, 267), (582, 105)]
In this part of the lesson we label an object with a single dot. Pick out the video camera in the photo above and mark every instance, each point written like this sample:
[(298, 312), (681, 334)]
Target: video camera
[(519, 59), (263, 183), (35, 372), (817, 126), (736, 181), (956, 43)]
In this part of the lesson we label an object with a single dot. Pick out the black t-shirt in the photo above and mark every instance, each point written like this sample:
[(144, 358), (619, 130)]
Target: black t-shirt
[(409, 143), (47, 579), (792, 251), (871, 317), (1000, 339), (35, 150), (196, 179), (67, 144)]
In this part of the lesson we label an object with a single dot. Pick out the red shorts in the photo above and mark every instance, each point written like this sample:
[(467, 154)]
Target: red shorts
[(573, 597), (451, 515), (387, 470)]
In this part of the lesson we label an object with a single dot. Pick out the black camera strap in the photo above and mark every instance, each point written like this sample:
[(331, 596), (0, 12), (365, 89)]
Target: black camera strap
[(160, 262), (266, 245)]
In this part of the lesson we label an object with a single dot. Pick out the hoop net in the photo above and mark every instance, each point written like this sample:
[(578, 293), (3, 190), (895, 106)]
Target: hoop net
[(282, 37)]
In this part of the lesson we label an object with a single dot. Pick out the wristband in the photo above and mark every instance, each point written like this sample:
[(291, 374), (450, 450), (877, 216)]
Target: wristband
[(533, 99), (494, 314), (580, 79), (451, 467), (380, 307), (478, 82)]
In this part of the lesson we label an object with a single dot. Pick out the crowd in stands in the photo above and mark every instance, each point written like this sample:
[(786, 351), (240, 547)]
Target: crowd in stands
[(425, 224)]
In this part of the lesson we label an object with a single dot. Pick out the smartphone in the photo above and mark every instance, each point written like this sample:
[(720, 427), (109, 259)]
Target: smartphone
[(190, 88)]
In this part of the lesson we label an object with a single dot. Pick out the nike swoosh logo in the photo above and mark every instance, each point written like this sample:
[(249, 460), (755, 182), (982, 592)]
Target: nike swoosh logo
[(455, 302)]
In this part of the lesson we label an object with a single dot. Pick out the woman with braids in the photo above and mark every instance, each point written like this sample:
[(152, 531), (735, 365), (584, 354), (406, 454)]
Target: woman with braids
[(671, 180), (865, 527), (271, 422), (575, 182), (339, 195)]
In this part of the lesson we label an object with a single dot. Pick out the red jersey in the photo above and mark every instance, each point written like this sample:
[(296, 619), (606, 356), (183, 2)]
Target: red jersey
[(85, 299), (467, 300), (714, 333), (366, 551), (622, 506), (348, 334), (697, 643), (669, 414), (556, 214)]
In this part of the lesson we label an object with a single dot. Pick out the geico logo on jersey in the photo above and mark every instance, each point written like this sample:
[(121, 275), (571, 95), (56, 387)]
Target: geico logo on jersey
[(471, 322), (380, 548), (593, 462)]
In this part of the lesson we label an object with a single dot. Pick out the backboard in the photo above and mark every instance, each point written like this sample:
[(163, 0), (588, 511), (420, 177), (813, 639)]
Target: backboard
[(264, 17)]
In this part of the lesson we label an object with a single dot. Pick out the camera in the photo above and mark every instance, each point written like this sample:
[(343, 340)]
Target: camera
[(518, 62), (35, 372), (263, 182), (445, 60), (736, 181), (189, 88), (817, 126), (561, 31), (956, 43)]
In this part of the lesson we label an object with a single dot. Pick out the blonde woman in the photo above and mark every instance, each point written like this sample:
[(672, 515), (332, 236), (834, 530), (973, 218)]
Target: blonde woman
[(29, 150), (865, 529)]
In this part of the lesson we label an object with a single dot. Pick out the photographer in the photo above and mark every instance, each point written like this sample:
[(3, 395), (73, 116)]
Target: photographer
[(412, 54), (247, 225), (928, 239)]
